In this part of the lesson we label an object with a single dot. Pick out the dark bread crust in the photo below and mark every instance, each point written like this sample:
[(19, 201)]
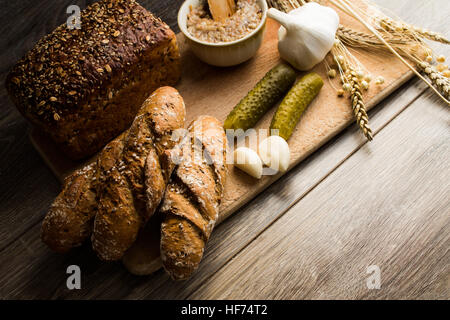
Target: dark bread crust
[(191, 202), (70, 219), (126, 202), (83, 87)]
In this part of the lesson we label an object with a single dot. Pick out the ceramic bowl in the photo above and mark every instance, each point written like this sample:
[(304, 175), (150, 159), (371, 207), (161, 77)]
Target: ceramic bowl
[(223, 54)]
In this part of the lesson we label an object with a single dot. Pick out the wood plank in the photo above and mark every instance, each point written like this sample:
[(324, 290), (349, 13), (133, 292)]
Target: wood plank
[(35, 262), (379, 208)]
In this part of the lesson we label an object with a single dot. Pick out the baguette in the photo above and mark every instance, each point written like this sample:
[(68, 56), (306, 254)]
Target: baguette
[(143, 257), (191, 202), (126, 202), (70, 219)]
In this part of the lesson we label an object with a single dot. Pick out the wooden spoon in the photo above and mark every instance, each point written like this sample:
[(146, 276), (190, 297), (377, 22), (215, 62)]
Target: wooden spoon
[(221, 9)]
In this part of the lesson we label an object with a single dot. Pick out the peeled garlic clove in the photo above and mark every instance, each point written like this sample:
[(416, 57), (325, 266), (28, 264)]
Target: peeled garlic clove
[(274, 152), (248, 161)]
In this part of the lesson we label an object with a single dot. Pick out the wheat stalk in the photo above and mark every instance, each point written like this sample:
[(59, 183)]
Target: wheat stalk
[(389, 24), (364, 40), (436, 77), (354, 78), (359, 39), (358, 106), (410, 44)]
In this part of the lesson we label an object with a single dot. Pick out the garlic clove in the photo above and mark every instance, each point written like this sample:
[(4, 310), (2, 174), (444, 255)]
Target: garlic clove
[(274, 152), (248, 161)]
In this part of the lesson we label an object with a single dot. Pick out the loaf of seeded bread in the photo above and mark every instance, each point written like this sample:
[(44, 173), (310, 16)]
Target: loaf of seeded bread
[(84, 86)]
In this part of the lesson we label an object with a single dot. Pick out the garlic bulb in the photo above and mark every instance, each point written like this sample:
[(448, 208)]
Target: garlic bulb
[(248, 161), (306, 35), (274, 152)]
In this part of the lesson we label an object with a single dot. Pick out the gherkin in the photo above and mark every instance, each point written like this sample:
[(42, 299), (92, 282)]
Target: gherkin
[(261, 98), (294, 104)]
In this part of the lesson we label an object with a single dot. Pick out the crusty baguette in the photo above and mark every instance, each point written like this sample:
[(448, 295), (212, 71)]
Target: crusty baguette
[(143, 257), (191, 202), (124, 205), (69, 220)]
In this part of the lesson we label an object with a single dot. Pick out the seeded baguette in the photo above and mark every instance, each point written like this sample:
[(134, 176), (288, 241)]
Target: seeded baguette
[(127, 202), (143, 257), (191, 202), (69, 220), (83, 87)]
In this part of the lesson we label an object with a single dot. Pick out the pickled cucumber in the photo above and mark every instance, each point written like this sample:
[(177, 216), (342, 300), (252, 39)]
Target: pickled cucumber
[(261, 98), (294, 104)]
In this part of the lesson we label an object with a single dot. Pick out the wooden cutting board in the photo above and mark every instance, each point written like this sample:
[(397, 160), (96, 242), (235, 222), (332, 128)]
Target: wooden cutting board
[(215, 91)]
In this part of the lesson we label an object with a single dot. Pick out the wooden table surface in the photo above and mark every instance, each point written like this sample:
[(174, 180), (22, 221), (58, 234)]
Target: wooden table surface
[(313, 234)]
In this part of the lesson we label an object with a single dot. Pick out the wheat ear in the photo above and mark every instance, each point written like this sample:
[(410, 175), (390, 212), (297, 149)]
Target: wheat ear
[(358, 105), (436, 78), (359, 39), (387, 23)]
